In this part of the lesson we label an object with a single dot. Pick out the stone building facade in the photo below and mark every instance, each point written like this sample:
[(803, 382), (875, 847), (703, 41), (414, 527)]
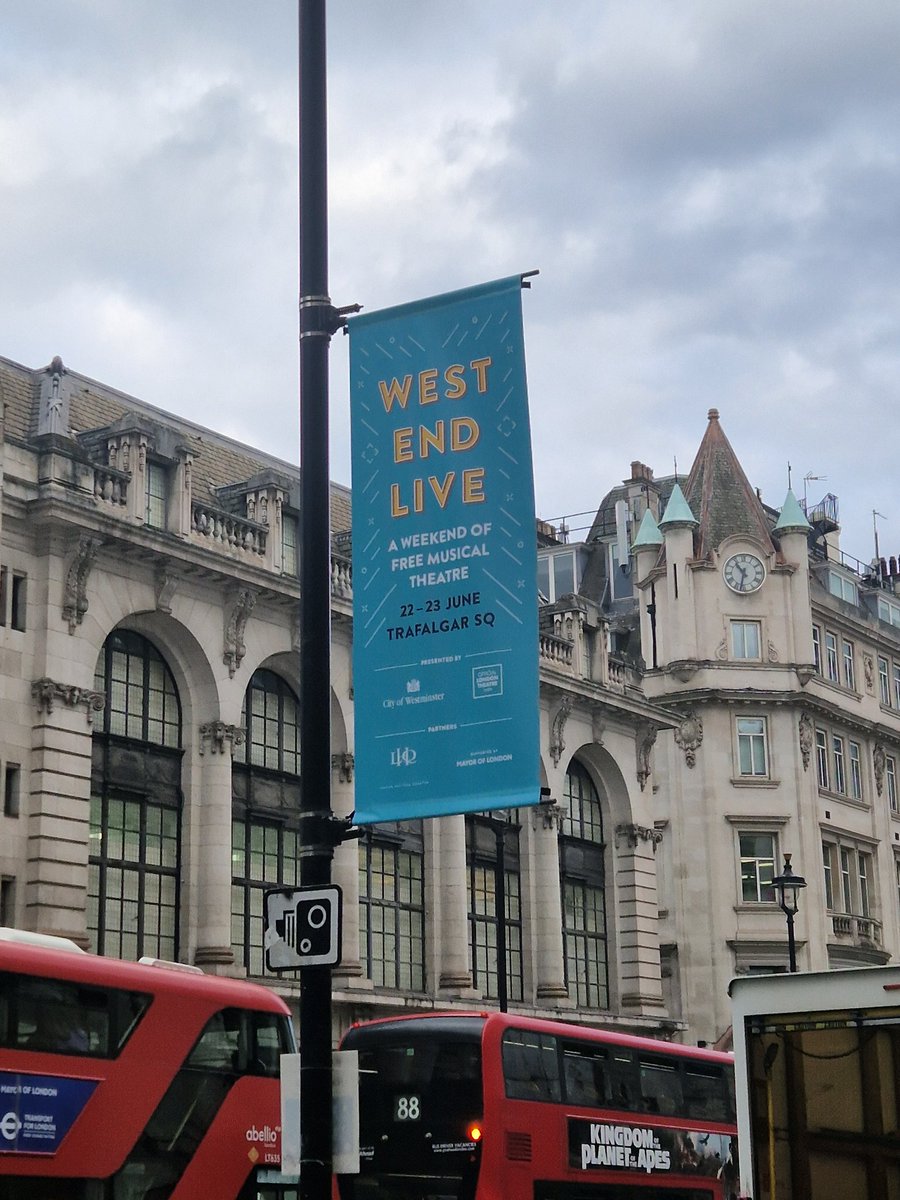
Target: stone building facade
[(719, 687), (778, 657), (149, 753)]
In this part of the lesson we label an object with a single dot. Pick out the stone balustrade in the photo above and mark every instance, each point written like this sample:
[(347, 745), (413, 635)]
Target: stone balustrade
[(226, 532), (620, 676), (858, 929), (557, 651), (111, 486), (341, 578)]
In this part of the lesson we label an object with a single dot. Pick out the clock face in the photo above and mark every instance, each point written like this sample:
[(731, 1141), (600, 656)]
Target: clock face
[(744, 572)]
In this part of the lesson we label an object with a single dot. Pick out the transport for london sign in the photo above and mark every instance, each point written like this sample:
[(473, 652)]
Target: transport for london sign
[(445, 642)]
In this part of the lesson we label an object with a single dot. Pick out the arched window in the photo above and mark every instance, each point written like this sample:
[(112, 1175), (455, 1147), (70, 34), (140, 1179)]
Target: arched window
[(135, 829), (272, 722), (492, 856), (266, 801), (581, 850), (392, 905)]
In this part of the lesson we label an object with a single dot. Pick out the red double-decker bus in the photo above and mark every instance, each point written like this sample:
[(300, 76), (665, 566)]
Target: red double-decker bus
[(131, 1081), (500, 1107)]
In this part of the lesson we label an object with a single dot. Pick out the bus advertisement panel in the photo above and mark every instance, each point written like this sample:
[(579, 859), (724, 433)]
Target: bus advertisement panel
[(500, 1107), (126, 1081)]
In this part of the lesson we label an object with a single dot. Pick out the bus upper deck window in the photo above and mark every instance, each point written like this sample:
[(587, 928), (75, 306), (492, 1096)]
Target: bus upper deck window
[(60, 1016), (661, 1087), (531, 1066), (706, 1093), (586, 1075)]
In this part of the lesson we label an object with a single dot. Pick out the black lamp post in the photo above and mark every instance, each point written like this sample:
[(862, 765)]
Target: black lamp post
[(787, 885)]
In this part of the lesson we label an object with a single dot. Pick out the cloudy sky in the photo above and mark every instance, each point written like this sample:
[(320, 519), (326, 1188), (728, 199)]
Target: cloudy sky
[(709, 188)]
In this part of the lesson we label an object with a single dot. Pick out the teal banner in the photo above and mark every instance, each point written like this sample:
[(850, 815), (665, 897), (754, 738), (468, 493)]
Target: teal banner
[(445, 638)]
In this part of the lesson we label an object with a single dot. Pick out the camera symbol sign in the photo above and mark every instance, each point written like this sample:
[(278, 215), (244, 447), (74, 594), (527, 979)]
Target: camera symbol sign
[(302, 927)]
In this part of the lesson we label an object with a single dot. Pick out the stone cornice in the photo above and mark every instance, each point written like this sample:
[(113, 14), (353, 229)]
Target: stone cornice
[(801, 701), (589, 697)]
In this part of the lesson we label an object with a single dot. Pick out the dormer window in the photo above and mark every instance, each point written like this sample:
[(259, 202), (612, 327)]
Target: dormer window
[(155, 490), (888, 611), (289, 560), (845, 589), (559, 572)]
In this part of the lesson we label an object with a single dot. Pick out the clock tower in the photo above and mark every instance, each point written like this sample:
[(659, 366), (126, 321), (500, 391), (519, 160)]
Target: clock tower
[(724, 593)]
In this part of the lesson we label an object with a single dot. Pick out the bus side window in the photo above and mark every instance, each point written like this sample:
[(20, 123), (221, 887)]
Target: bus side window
[(623, 1081), (705, 1093), (272, 1039), (660, 1087), (531, 1066), (586, 1076), (217, 1047), (60, 1016)]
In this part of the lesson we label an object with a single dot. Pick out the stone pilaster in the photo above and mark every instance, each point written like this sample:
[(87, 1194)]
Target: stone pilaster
[(345, 874), (56, 877), (454, 972), (550, 978), (215, 745), (640, 980)]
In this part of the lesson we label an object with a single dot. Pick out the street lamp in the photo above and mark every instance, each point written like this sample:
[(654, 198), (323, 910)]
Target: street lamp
[(787, 885)]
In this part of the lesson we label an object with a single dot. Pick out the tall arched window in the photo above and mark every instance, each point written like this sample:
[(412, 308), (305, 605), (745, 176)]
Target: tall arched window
[(392, 905), (266, 792), (135, 831), (492, 858), (581, 850)]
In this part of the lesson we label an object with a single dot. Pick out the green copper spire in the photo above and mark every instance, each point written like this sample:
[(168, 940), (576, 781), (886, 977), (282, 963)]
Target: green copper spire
[(648, 535), (792, 518), (678, 511)]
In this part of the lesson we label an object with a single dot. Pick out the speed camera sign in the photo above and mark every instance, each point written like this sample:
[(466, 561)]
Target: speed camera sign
[(303, 928)]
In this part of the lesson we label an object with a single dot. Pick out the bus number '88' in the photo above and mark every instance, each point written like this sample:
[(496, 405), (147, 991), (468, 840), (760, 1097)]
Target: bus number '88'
[(406, 1108)]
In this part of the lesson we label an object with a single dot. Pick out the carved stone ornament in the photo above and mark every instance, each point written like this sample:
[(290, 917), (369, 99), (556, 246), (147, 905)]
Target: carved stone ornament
[(558, 728), (233, 655), (221, 737), (806, 734), (53, 413), (722, 650), (598, 725), (75, 602), (343, 764), (45, 692), (689, 735), (878, 760), (633, 834), (165, 582), (547, 815), (869, 673), (772, 652), (644, 742)]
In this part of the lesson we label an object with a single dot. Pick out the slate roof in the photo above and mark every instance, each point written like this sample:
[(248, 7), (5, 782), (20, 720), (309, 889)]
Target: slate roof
[(218, 461), (720, 495)]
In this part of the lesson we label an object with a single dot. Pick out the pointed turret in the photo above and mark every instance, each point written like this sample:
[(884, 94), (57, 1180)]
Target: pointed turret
[(792, 518), (678, 513), (678, 527), (720, 494), (648, 535)]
